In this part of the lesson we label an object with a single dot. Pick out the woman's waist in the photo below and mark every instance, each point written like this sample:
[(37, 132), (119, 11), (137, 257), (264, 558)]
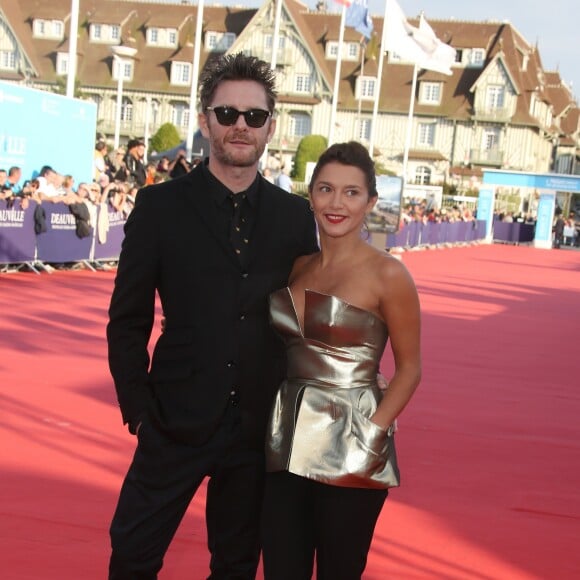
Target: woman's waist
[(332, 372)]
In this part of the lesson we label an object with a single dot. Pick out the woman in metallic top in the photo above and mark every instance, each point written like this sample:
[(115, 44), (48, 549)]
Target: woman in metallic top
[(330, 452)]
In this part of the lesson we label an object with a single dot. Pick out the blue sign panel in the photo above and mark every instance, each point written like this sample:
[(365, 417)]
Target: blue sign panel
[(545, 217), (485, 204), (534, 180), (41, 128)]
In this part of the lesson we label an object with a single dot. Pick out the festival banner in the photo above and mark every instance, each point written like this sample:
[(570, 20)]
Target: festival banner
[(109, 239), (17, 239), (60, 243)]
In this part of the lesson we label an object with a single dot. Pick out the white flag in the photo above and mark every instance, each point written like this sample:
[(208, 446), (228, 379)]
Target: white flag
[(441, 59), (400, 37)]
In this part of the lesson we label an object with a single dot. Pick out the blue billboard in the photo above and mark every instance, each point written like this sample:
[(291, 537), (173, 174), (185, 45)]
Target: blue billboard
[(42, 128)]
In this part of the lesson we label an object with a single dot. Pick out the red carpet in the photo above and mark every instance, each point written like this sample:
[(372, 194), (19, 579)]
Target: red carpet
[(489, 448)]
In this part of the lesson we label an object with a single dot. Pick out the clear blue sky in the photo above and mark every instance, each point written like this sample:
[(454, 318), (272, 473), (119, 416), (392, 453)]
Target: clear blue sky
[(553, 25)]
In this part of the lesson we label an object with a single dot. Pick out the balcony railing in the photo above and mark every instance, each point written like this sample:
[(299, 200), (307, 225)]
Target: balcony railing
[(487, 157), (502, 115)]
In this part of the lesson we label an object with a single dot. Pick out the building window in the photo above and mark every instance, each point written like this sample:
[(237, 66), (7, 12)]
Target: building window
[(303, 83), (269, 41), (366, 87), (495, 97), (350, 50), (490, 138), (48, 28), (331, 50), (300, 124), (476, 57), (363, 132), (180, 114), (426, 134), (105, 33), (458, 55), (219, 41), (423, 175), (181, 73), (62, 61), (430, 93), (162, 37), (126, 111), (7, 59), (126, 69)]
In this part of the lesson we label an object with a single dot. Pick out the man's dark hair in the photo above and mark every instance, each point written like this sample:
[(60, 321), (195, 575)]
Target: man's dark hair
[(14, 169), (46, 169), (351, 153), (237, 67)]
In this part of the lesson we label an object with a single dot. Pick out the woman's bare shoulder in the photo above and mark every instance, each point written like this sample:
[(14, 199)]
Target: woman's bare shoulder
[(301, 264), (390, 269)]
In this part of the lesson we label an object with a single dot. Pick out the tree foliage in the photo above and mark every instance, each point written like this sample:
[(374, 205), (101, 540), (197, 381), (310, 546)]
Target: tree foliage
[(310, 148), (166, 137)]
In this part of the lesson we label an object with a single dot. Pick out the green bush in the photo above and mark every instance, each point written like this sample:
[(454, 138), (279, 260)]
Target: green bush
[(166, 138), (310, 148)]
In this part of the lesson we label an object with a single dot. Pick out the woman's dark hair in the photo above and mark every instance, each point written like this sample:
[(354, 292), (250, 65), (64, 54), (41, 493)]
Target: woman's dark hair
[(236, 67), (351, 153)]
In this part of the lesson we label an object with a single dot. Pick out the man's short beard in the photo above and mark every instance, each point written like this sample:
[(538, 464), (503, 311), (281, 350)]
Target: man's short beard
[(226, 158)]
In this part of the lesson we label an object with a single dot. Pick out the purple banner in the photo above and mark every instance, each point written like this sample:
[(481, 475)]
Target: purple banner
[(418, 233), (110, 233), (59, 243), (17, 239)]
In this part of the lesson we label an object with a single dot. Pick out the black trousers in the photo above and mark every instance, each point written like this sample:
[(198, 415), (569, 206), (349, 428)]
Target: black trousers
[(159, 486), (302, 517)]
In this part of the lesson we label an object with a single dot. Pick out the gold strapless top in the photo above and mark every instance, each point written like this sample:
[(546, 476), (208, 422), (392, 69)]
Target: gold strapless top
[(319, 426)]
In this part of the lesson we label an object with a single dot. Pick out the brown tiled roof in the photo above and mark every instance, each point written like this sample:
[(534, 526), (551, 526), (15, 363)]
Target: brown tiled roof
[(502, 42), (95, 59)]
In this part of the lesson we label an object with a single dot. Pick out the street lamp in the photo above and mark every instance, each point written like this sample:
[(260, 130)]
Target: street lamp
[(121, 53)]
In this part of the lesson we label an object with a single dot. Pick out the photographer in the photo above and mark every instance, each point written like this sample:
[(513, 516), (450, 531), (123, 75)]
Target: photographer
[(179, 166)]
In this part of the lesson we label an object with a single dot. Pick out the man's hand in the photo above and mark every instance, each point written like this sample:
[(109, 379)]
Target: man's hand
[(382, 382)]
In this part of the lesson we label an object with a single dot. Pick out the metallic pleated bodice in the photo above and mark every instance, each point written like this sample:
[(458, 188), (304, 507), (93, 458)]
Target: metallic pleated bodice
[(319, 426)]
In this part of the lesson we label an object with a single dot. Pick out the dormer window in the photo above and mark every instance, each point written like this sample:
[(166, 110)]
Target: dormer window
[(62, 62), (350, 50), (164, 37), (107, 33), (366, 87), (181, 73), (126, 69), (430, 93), (48, 29), (219, 41), (476, 57)]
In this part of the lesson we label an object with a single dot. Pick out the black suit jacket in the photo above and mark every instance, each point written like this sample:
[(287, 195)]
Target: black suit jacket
[(217, 336)]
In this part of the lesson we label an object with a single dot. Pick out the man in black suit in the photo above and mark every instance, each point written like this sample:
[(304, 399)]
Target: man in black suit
[(201, 407)]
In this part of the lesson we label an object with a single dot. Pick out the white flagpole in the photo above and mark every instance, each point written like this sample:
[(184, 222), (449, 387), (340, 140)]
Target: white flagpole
[(409, 124), (379, 81), (337, 77), (72, 48), (273, 62), (194, 81)]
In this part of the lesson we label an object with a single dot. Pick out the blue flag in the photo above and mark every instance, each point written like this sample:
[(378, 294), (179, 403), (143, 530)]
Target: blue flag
[(358, 17)]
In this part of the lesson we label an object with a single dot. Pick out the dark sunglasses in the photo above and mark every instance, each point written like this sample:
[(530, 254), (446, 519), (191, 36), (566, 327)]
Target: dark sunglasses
[(228, 116)]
